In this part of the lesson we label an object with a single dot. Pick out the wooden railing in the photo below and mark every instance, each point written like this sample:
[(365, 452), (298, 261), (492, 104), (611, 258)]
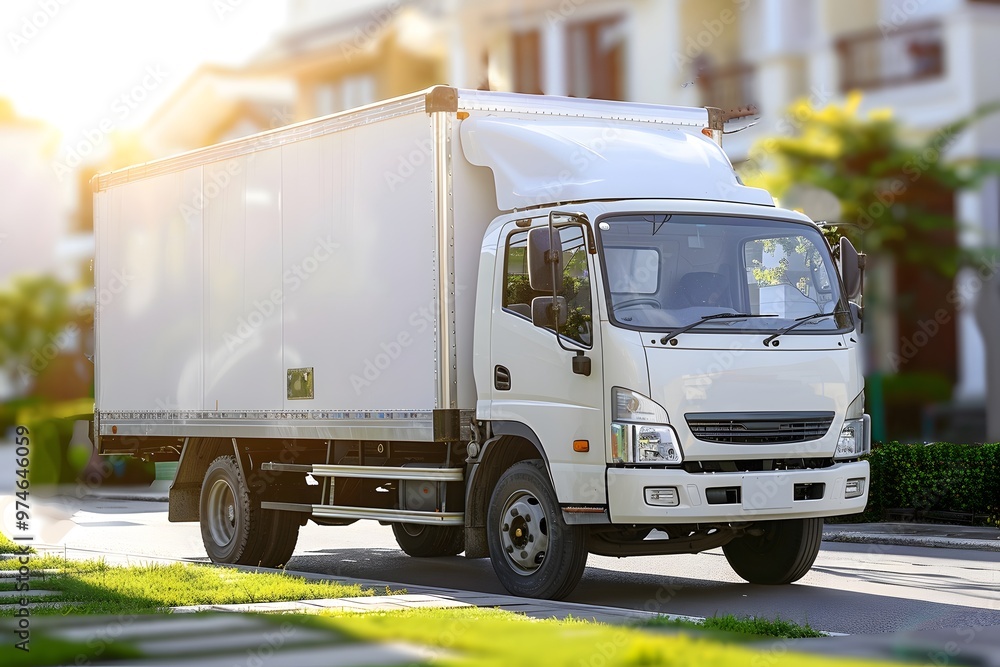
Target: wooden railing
[(875, 59)]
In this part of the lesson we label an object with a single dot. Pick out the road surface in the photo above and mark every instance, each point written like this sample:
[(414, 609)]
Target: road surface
[(854, 589)]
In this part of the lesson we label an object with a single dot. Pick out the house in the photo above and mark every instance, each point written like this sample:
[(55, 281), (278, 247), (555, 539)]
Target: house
[(930, 61)]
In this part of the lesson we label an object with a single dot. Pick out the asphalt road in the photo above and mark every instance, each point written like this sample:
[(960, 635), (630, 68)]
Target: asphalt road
[(855, 589)]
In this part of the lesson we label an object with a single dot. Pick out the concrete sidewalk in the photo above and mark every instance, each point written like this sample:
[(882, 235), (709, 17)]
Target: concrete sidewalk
[(898, 534), (915, 535)]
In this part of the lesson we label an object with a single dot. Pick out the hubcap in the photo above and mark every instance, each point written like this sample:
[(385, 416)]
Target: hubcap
[(221, 512), (524, 532)]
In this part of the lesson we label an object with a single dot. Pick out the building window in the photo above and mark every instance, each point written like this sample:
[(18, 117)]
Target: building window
[(527, 47), (870, 60), (729, 87), (344, 93), (596, 59)]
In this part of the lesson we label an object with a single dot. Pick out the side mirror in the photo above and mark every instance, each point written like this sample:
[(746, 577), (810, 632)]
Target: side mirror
[(850, 269), (544, 250), (549, 312)]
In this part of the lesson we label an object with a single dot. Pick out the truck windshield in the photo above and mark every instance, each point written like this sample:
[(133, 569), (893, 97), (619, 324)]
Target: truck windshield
[(666, 271)]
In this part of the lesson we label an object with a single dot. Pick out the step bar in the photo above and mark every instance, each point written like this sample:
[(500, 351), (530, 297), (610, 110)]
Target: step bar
[(388, 515), (370, 472)]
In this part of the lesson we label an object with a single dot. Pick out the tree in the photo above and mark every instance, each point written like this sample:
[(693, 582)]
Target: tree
[(896, 193), (36, 317), (895, 188)]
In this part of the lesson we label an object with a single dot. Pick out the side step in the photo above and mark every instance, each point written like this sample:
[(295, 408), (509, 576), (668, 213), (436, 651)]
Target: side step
[(346, 512), (370, 472)]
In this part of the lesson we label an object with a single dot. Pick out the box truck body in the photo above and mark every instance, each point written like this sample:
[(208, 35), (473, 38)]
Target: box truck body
[(519, 326)]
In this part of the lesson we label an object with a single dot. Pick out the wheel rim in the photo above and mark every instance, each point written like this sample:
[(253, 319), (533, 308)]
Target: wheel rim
[(412, 529), (222, 512), (523, 532)]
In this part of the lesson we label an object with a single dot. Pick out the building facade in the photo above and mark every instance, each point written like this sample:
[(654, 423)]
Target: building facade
[(930, 61)]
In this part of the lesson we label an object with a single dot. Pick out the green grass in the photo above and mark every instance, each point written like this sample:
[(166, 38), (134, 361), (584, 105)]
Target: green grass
[(487, 637), (9, 546), (752, 628), (94, 587)]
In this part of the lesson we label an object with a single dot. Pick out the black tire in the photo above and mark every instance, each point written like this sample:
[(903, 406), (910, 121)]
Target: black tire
[(232, 527), (783, 554), (284, 533), (533, 551), (422, 541)]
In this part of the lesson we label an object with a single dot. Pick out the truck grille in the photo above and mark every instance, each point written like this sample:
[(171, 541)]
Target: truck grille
[(755, 428)]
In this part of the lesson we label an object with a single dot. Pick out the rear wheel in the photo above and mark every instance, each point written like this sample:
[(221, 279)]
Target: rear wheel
[(284, 534), (231, 527), (422, 541), (782, 554), (234, 529), (533, 551)]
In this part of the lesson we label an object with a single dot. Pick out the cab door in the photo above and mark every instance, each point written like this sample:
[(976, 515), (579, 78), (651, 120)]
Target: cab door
[(534, 383)]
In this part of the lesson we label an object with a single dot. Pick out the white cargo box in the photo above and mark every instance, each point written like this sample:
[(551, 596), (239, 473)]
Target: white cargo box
[(301, 282)]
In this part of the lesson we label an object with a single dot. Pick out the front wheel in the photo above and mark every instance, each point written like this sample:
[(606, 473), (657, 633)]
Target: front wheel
[(782, 554), (422, 541), (533, 551)]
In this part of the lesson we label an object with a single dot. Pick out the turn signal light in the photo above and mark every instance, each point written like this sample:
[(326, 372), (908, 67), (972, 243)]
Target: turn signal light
[(581, 445)]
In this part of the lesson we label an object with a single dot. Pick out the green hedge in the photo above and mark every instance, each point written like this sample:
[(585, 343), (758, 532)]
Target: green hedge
[(936, 477)]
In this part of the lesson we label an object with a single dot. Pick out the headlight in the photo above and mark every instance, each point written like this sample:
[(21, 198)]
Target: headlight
[(632, 407), (853, 441), (644, 443)]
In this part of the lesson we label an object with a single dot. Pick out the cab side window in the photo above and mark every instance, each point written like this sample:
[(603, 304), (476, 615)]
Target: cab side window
[(517, 294)]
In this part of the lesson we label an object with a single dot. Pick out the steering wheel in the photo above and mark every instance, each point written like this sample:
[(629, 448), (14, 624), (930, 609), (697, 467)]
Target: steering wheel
[(641, 301)]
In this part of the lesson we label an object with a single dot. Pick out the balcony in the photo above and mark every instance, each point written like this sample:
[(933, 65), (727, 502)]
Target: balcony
[(728, 87), (872, 59)]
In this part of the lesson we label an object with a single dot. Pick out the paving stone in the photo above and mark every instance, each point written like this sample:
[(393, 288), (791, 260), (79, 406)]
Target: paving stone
[(26, 594), (354, 655), (135, 627), (254, 638)]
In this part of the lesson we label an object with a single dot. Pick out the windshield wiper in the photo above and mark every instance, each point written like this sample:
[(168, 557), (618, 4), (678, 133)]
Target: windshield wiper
[(718, 316), (799, 322)]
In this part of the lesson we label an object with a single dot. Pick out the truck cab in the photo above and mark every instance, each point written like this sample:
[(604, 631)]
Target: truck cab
[(689, 368)]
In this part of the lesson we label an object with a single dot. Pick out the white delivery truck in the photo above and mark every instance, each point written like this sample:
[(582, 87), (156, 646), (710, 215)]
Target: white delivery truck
[(522, 327)]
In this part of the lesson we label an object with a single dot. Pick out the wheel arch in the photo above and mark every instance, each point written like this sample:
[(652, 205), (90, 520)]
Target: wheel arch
[(512, 442), (185, 491)]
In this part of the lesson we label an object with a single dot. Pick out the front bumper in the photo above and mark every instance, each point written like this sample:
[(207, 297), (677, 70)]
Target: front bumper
[(767, 495)]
